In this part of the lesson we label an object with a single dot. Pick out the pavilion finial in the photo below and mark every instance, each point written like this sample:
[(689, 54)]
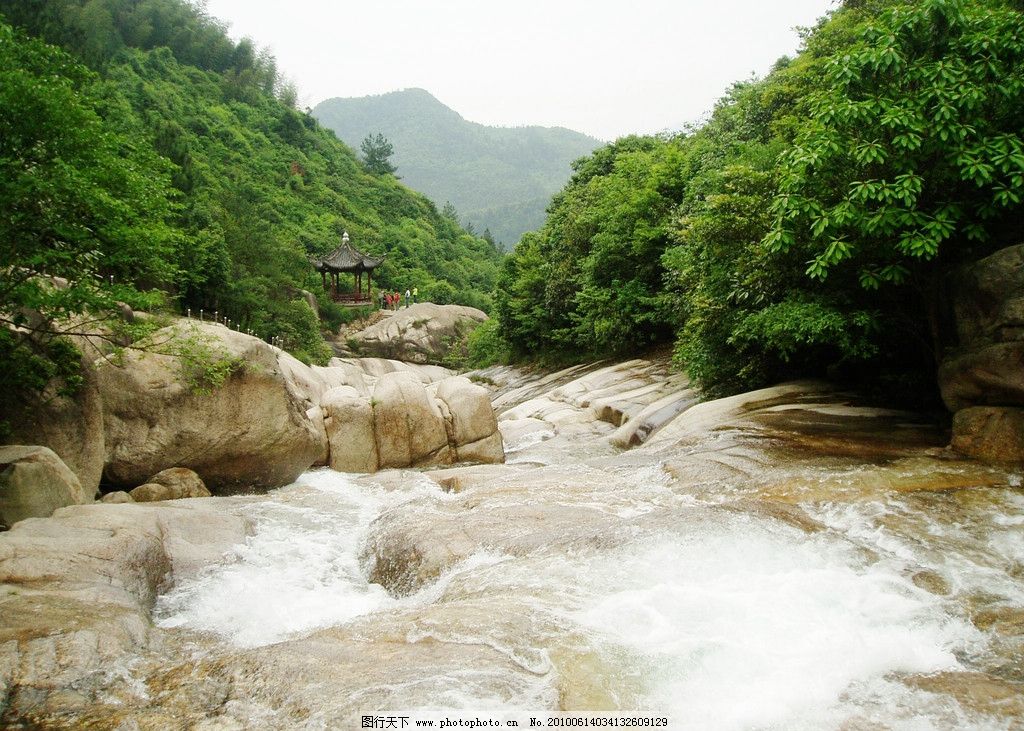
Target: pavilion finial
[(344, 237)]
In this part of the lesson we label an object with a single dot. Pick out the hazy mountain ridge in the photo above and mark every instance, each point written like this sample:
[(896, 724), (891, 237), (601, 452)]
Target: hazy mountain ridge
[(499, 178)]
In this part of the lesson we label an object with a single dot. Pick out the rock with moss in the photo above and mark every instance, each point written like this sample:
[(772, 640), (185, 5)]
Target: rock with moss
[(210, 399), (421, 333)]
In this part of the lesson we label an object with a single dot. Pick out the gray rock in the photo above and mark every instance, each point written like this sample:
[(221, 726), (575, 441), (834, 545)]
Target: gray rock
[(34, 482)]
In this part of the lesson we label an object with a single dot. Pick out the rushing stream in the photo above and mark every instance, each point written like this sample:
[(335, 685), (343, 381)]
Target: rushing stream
[(714, 618)]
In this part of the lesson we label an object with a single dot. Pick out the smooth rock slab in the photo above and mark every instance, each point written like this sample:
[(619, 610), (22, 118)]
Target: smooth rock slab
[(76, 591)]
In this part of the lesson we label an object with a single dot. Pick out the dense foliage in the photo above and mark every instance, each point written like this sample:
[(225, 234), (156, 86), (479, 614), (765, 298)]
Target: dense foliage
[(83, 207), (809, 226), (498, 178), (590, 280), (153, 154)]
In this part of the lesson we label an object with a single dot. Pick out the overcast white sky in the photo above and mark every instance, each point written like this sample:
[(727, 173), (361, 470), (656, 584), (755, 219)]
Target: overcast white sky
[(601, 67)]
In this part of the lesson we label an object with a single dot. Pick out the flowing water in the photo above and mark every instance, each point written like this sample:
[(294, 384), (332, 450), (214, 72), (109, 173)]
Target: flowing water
[(899, 611)]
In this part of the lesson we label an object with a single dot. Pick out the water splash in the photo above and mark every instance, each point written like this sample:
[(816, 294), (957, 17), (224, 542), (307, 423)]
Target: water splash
[(299, 570)]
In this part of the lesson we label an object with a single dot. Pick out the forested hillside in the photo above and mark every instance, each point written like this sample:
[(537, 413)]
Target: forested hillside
[(811, 226), (498, 178), (148, 159)]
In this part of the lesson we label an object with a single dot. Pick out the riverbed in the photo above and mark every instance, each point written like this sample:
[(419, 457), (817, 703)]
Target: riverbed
[(789, 560)]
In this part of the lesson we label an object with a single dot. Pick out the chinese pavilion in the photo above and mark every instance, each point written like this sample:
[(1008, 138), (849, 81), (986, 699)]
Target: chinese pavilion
[(347, 258)]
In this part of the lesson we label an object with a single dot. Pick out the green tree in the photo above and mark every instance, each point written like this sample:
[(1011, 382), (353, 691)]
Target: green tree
[(85, 214), (377, 152), (449, 212), (912, 157), (589, 282)]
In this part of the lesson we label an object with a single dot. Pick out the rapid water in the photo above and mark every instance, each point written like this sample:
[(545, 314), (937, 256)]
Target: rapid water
[(718, 619)]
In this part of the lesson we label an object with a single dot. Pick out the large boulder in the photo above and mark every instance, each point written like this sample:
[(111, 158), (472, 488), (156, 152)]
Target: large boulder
[(408, 424), (251, 432), (70, 425), (986, 369), (422, 333), (985, 374), (34, 482), (990, 433), (470, 422), (348, 418), (70, 422), (989, 303)]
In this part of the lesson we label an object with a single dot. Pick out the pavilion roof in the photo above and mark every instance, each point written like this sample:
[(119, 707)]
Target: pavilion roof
[(346, 258)]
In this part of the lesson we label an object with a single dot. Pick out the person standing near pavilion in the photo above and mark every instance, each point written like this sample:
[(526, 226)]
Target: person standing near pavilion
[(408, 296), (380, 296), (415, 294)]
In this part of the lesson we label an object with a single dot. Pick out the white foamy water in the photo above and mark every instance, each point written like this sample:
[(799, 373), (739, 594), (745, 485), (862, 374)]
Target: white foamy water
[(299, 570), (976, 551), (749, 625), (721, 620)]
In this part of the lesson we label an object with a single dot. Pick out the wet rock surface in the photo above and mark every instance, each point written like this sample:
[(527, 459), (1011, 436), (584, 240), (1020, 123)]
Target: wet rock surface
[(76, 591), (740, 543), (986, 368)]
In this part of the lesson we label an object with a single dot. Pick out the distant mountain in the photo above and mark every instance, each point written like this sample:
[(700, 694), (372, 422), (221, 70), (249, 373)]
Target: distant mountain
[(500, 178)]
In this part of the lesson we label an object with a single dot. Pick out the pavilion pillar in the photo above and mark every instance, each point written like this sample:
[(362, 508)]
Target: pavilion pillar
[(369, 285)]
